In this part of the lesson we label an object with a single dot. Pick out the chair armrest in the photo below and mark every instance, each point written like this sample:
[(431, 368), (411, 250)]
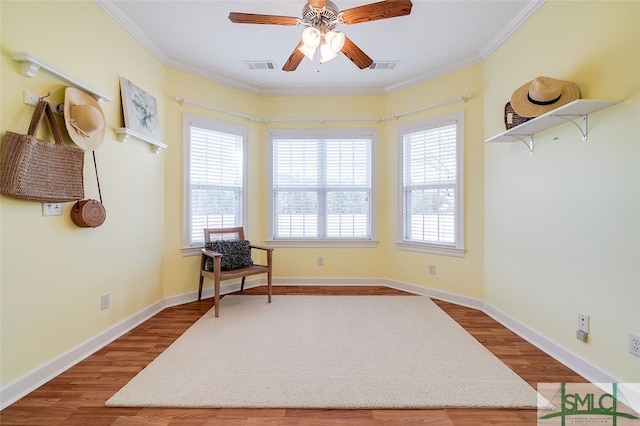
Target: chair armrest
[(261, 247), (210, 253)]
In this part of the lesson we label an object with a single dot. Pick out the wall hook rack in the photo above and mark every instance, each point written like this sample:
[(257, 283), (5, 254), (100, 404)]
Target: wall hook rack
[(30, 65)]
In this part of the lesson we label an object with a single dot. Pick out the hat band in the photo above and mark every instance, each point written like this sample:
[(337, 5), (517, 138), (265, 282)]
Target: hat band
[(74, 124), (553, 101)]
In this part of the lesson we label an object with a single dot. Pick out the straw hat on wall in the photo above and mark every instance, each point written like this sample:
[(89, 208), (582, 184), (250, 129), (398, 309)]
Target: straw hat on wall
[(542, 95), (83, 118)]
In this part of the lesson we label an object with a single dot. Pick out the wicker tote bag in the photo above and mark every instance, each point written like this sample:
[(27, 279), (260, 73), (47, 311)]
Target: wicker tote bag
[(37, 170)]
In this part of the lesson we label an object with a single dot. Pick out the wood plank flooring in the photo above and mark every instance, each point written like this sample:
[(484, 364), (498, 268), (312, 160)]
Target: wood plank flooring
[(77, 396)]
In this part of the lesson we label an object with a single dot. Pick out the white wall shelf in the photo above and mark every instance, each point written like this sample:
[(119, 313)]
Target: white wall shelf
[(30, 65), (124, 134), (575, 112)]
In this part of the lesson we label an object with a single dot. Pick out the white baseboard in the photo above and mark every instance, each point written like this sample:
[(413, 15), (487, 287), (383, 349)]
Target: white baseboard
[(469, 302), (558, 352), (39, 376)]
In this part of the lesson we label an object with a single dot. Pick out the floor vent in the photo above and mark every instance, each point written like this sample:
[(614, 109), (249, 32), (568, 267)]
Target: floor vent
[(384, 65), (261, 65)]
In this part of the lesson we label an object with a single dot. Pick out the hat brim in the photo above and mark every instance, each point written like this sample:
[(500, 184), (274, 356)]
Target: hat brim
[(73, 96), (525, 108)]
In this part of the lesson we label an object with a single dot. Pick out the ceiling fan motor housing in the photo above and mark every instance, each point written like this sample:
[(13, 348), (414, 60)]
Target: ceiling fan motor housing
[(324, 19)]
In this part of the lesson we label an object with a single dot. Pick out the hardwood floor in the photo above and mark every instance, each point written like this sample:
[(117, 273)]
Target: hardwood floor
[(77, 396)]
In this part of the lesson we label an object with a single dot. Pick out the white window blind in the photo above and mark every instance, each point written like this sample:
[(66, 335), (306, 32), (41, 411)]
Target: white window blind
[(322, 188), (431, 184), (216, 180)]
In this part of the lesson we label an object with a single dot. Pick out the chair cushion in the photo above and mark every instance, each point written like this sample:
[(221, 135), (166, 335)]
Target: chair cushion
[(236, 254)]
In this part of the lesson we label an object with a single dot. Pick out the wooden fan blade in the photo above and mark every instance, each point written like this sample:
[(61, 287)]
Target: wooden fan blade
[(356, 55), (252, 18), (318, 4), (294, 60), (376, 11)]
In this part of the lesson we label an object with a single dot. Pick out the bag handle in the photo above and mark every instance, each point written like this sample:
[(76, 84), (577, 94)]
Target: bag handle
[(42, 108), (95, 165)]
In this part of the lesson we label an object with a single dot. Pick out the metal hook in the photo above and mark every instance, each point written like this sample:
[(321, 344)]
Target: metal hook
[(45, 96)]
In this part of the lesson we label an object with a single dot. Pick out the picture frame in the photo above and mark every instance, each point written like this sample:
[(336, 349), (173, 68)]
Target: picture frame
[(140, 111)]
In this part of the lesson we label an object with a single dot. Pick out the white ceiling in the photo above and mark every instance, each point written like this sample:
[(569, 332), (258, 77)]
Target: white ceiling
[(438, 36)]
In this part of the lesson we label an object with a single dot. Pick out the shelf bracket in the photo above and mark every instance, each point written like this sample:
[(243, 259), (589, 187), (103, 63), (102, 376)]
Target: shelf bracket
[(124, 134), (528, 143), (582, 127)]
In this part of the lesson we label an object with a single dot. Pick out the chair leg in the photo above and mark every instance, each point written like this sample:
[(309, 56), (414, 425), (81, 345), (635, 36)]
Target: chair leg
[(200, 287), (242, 284), (269, 287), (216, 296)]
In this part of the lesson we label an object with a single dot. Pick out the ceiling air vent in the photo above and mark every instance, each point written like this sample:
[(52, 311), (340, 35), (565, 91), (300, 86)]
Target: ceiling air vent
[(261, 65), (384, 65)]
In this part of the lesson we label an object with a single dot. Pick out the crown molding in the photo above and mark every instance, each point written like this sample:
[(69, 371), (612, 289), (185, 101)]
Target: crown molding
[(132, 29), (506, 32)]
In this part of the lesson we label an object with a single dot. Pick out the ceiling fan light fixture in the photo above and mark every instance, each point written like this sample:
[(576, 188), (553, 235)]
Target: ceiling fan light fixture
[(326, 54), (309, 52), (335, 40), (311, 37)]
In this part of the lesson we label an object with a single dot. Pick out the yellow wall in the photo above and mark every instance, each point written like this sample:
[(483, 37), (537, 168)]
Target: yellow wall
[(537, 267), (52, 272), (562, 229), (454, 275)]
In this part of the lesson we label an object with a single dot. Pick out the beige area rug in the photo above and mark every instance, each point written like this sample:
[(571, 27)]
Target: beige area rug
[(326, 352)]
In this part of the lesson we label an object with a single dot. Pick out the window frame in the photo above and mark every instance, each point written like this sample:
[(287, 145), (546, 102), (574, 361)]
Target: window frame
[(364, 133), (457, 249), (189, 120)]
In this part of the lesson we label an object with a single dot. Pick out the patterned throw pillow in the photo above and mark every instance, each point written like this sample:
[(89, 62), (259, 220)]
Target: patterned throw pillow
[(236, 254)]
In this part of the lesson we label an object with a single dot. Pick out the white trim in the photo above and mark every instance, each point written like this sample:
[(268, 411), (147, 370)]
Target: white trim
[(47, 371), (556, 351), (329, 133), (457, 118), (431, 248), (41, 375), (189, 120), (458, 299), (509, 29), (323, 243)]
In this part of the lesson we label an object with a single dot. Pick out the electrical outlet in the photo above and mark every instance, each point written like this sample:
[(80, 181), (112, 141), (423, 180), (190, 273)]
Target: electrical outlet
[(634, 344), (583, 322), (320, 261), (432, 269), (104, 301), (51, 209)]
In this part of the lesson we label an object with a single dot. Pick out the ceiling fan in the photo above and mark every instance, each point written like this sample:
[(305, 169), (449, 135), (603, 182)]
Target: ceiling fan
[(320, 17)]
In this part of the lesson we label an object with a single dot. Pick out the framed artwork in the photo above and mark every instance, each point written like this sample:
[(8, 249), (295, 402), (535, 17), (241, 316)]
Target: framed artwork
[(140, 110)]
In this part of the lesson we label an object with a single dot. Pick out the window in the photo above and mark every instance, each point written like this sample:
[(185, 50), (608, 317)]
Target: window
[(431, 155), (215, 177), (321, 186)]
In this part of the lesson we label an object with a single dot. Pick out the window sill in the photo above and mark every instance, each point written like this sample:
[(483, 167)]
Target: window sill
[(432, 249), (322, 243), (191, 251)]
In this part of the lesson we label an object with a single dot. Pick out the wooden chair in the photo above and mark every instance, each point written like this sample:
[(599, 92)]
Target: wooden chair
[(218, 274)]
